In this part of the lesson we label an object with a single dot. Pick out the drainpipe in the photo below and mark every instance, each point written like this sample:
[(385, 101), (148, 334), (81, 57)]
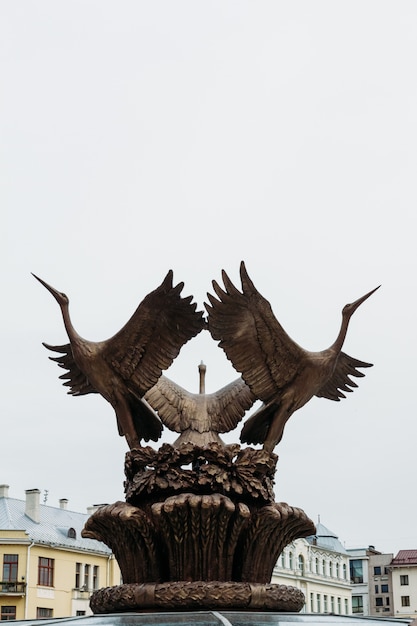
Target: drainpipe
[(27, 579)]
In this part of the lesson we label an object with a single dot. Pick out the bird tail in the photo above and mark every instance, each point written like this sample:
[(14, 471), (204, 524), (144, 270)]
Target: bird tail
[(256, 428), (145, 421)]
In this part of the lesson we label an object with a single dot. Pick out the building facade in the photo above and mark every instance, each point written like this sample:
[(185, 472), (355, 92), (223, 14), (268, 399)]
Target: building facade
[(319, 567), (48, 569), (403, 570)]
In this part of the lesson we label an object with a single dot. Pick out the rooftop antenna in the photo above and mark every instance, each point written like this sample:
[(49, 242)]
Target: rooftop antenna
[(45, 496)]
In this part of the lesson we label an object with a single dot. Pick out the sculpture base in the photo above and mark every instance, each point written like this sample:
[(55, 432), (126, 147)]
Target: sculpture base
[(197, 595)]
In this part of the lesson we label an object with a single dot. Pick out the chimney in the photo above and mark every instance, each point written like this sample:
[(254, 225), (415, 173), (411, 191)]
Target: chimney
[(63, 503), (32, 509), (4, 491), (92, 509)]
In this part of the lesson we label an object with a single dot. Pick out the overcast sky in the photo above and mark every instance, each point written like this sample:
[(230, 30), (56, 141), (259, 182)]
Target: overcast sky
[(142, 136)]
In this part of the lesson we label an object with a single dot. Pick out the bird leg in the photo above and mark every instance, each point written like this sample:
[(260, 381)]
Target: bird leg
[(276, 429)]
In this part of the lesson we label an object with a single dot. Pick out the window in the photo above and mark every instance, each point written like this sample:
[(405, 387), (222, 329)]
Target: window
[(356, 571), (379, 601), (42, 613), (312, 602), (325, 604), (95, 577), (387, 601), (339, 605), (72, 534), (377, 571), (346, 606), (301, 563), (45, 572), (77, 575), (405, 600), (331, 569), (337, 570), (10, 562), (8, 612), (323, 567), (376, 589), (318, 598), (87, 576), (384, 588), (79, 613), (291, 560), (332, 604), (344, 571), (317, 566), (404, 580), (357, 604)]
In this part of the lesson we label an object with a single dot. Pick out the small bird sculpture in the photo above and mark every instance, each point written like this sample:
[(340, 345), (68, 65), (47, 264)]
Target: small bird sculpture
[(278, 371), (200, 417), (123, 368)]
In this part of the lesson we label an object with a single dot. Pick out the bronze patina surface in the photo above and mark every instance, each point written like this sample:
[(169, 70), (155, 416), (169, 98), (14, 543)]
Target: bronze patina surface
[(200, 528)]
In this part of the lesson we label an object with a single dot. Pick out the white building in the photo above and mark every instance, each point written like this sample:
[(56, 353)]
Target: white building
[(404, 583), (319, 567)]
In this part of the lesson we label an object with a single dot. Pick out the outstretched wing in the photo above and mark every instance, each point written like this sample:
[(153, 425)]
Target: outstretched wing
[(175, 405), (339, 382), (154, 335), (227, 406), (252, 338), (77, 382)]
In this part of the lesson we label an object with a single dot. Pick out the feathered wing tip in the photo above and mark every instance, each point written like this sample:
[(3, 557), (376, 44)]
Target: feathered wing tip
[(340, 380), (74, 378)]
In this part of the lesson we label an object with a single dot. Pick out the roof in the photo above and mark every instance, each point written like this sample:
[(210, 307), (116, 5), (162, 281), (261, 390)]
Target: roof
[(405, 557), (326, 539), (52, 528)]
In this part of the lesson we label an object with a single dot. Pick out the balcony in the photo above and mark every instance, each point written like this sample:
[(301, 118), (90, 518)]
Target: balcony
[(12, 589), (81, 594)]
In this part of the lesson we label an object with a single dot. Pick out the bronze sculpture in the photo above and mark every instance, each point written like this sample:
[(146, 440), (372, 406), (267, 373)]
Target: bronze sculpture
[(124, 367), (200, 528), (200, 417), (278, 371)]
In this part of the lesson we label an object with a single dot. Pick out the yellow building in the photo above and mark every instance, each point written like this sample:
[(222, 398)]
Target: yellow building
[(48, 569)]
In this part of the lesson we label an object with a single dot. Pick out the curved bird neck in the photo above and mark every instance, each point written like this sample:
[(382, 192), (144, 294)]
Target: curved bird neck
[(73, 336), (340, 339)]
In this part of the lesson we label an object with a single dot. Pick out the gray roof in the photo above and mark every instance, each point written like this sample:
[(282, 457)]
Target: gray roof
[(326, 539), (52, 528)]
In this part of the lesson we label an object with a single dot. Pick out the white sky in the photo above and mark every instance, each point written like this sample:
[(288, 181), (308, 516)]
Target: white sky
[(142, 136)]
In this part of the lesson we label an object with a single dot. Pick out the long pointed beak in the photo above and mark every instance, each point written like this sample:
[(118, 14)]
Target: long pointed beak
[(358, 302), (57, 294)]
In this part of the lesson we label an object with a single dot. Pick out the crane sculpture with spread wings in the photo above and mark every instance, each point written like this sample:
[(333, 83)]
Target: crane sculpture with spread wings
[(200, 417), (122, 369), (277, 370)]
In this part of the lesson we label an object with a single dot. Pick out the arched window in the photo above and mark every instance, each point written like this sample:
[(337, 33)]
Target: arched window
[(330, 569), (323, 567), (317, 566), (337, 570), (344, 571), (72, 533), (301, 563), (291, 560)]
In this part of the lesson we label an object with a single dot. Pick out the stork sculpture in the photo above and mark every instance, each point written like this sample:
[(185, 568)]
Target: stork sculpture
[(123, 368), (277, 370), (200, 417)]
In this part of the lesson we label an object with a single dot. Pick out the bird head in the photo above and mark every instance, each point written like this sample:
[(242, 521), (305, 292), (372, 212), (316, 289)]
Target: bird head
[(60, 297), (349, 309)]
